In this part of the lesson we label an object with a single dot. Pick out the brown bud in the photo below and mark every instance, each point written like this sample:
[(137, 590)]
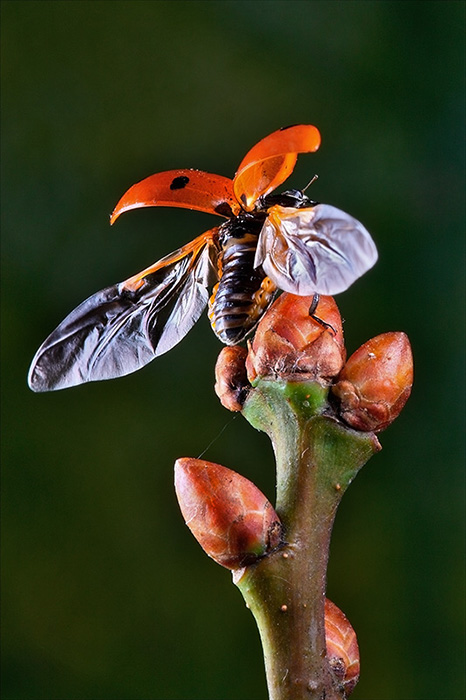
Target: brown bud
[(342, 647), (232, 384), (376, 382), (231, 519), (291, 343)]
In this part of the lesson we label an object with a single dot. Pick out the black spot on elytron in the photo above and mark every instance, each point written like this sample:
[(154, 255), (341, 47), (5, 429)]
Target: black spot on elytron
[(179, 182), (290, 126), (243, 199), (224, 209)]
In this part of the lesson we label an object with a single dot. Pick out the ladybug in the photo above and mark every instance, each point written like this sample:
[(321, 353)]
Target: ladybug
[(268, 242)]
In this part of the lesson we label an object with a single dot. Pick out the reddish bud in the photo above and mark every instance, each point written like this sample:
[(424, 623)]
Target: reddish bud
[(376, 382), (232, 384), (289, 341), (231, 519), (342, 647)]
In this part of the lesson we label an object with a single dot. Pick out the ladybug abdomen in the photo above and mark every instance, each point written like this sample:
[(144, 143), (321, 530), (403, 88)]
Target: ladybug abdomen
[(242, 293)]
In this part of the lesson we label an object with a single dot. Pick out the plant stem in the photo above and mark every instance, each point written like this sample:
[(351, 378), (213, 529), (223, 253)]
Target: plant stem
[(317, 458)]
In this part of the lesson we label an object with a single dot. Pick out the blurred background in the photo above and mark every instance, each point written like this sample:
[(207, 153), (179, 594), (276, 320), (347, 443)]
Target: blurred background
[(106, 595)]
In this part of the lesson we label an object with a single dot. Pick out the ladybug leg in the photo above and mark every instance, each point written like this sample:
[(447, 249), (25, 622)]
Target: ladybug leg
[(326, 326), (313, 306)]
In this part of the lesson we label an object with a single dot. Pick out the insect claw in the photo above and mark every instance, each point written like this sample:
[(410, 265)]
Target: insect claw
[(312, 308), (326, 326)]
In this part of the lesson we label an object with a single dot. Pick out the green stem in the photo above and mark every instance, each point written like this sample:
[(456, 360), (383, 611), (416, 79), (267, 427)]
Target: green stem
[(317, 458)]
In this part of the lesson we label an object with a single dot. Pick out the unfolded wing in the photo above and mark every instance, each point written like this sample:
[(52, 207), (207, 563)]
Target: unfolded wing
[(122, 328), (320, 249)]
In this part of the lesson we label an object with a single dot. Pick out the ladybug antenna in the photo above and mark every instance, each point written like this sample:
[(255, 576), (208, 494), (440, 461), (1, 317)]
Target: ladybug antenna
[(310, 182)]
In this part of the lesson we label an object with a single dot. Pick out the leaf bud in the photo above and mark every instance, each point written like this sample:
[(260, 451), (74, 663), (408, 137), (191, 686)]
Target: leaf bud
[(231, 382), (228, 515), (376, 382), (342, 647), (291, 343)]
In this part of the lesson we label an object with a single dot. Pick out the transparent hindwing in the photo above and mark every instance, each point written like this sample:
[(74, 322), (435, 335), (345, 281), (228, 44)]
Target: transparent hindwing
[(123, 327), (319, 249)]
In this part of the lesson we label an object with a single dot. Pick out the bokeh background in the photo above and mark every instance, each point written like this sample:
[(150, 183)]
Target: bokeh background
[(106, 595)]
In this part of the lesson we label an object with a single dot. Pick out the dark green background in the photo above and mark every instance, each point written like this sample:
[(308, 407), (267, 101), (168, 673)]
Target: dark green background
[(106, 595)]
